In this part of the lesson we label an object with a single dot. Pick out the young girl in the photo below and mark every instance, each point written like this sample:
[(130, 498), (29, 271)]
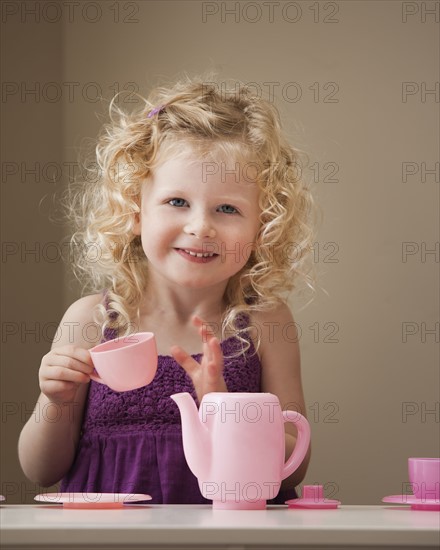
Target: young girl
[(196, 227)]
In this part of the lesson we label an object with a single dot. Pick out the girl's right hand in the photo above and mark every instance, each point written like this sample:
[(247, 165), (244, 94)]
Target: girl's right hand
[(62, 371)]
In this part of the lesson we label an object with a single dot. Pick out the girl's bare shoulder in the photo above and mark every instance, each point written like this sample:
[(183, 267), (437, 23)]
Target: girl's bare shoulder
[(83, 307), (271, 322), (269, 328), (78, 325)]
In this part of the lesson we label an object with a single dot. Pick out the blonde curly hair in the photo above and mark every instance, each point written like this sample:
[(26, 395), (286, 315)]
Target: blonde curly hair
[(216, 121)]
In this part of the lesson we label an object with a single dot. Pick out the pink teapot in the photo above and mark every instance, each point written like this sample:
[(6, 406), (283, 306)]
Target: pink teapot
[(235, 444)]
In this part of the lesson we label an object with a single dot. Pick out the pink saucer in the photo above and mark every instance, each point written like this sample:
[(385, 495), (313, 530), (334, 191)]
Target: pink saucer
[(313, 497), (2, 498), (415, 503), (92, 500)]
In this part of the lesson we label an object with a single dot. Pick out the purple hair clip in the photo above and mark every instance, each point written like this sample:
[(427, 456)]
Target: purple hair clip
[(155, 111)]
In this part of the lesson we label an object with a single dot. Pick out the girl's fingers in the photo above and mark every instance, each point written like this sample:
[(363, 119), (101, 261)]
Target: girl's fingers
[(207, 354), (216, 352), (197, 321), (188, 363), (59, 389), (208, 374), (214, 364), (205, 330), (81, 354), (62, 374), (69, 363)]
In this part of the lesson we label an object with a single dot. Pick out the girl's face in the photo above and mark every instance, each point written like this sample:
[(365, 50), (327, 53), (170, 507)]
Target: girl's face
[(198, 220)]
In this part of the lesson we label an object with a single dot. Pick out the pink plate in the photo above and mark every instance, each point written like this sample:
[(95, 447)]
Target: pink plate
[(313, 497), (2, 498), (311, 503), (92, 500), (415, 503)]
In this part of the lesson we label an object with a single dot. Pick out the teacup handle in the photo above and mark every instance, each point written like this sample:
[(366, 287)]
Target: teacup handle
[(302, 442), (95, 376)]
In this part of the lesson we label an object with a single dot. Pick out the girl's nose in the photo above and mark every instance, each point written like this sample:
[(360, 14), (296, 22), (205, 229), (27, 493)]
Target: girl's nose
[(200, 228)]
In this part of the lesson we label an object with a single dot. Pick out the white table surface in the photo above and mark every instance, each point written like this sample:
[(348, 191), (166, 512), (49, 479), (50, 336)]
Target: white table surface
[(199, 526)]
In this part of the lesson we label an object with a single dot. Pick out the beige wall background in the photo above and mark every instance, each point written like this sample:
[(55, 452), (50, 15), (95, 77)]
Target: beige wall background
[(357, 83)]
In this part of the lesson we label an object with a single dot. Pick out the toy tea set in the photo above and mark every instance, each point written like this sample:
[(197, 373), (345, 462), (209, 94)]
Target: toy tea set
[(234, 443), (424, 477)]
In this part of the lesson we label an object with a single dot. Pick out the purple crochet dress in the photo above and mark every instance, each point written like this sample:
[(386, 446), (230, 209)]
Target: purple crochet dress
[(131, 442)]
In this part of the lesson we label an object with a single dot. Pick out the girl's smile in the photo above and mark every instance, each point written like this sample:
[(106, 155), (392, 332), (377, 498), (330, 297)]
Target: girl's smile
[(197, 256)]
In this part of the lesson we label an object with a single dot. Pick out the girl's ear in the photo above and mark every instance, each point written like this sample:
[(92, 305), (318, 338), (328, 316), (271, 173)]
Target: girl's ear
[(137, 226)]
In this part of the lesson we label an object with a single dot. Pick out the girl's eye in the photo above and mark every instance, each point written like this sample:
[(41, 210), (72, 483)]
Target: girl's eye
[(178, 202), (227, 209)]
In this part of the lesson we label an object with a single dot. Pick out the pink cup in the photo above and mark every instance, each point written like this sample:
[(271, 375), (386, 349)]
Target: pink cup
[(424, 476), (125, 363)]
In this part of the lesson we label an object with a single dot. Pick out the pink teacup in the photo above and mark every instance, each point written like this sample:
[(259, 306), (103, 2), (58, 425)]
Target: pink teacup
[(424, 476), (125, 363)]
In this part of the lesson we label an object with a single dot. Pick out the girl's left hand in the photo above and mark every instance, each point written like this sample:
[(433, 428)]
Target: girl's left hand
[(207, 376)]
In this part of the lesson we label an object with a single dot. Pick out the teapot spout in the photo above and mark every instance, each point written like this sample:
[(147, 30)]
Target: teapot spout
[(195, 435)]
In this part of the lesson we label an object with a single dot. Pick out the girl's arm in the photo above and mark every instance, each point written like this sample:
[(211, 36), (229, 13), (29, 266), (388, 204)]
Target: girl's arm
[(281, 373), (48, 441)]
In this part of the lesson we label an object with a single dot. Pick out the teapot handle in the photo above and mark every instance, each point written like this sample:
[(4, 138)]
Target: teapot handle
[(302, 442)]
